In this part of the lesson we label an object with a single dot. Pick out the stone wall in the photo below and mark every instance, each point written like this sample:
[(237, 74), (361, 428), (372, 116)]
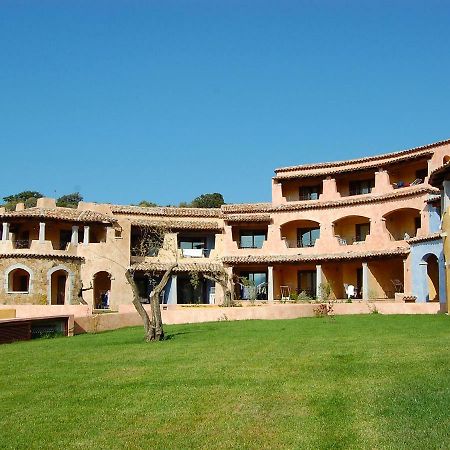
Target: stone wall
[(40, 270)]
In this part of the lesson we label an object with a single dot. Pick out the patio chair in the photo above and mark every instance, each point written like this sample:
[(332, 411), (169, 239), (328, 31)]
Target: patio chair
[(285, 293), (398, 285), (416, 182), (349, 290)]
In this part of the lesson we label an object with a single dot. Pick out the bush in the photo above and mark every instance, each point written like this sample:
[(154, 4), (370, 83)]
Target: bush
[(324, 309)]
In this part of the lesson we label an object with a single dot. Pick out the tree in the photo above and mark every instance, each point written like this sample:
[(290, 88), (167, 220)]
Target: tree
[(208, 201), (27, 197), (150, 241), (69, 200), (146, 204), (220, 275)]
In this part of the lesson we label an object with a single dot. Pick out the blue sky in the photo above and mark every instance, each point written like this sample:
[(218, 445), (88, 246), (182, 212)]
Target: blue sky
[(165, 100)]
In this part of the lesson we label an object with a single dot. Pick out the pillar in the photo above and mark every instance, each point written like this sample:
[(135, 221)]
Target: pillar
[(5, 233), (172, 299), (365, 281), (423, 294), (270, 284), (319, 281), (74, 239), (86, 235), (41, 232)]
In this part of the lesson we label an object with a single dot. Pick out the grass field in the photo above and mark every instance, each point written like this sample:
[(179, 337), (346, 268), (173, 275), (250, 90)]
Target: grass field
[(353, 382)]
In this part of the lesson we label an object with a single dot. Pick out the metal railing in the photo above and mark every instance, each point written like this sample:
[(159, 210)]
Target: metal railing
[(22, 243), (348, 240), (196, 253), (291, 243)]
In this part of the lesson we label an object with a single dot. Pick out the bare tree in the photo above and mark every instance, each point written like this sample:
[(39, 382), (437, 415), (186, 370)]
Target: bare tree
[(150, 241)]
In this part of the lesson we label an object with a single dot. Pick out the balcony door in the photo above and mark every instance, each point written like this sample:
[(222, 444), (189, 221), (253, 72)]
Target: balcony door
[(307, 282)]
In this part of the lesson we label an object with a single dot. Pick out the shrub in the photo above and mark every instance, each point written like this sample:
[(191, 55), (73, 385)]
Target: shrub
[(324, 309), (304, 297)]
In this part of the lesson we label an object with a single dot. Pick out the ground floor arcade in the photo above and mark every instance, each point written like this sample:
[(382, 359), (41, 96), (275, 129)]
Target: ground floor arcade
[(361, 279)]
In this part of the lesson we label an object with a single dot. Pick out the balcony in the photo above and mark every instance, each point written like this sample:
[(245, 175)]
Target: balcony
[(195, 252), (21, 243)]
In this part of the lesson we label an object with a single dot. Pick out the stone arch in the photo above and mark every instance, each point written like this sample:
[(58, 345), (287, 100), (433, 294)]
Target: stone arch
[(9, 277), (52, 288)]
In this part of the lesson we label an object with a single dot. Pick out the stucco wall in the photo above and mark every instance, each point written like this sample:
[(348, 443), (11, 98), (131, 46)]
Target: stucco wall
[(419, 276)]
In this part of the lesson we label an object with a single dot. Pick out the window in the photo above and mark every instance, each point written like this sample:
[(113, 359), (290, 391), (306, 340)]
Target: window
[(306, 237), (257, 288), (192, 243), (306, 282), (417, 224), (310, 192), (19, 281), (362, 231), (421, 174), (252, 239), (360, 187), (65, 237)]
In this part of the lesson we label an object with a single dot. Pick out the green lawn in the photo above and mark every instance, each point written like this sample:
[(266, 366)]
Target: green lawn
[(354, 382)]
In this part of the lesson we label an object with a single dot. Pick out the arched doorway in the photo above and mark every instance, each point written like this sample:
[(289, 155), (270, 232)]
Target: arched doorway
[(432, 278), (59, 287), (102, 289)]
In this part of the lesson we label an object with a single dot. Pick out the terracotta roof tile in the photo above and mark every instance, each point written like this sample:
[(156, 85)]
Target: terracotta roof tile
[(246, 207), (179, 224), (430, 237), (344, 201), (30, 255), (287, 259), (327, 171), (168, 211), (248, 218), (58, 213), (182, 267), (439, 174), (412, 151)]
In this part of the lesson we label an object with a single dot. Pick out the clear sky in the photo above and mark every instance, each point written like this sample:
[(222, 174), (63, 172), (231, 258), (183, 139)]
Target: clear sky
[(165, 100)]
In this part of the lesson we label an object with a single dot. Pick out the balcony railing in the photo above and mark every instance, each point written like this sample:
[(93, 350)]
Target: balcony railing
[(22, 243), (195, 252), (349, 240), (402, 184), (292, 243)]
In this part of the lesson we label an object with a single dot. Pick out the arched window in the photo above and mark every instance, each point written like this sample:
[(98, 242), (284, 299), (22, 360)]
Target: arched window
[(19, 281)]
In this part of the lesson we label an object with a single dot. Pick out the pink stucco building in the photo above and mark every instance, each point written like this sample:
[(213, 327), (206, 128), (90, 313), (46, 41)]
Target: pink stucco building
[(371, 224)]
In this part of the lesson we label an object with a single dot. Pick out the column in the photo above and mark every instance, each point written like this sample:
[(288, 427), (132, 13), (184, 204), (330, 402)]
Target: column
[(5, 233), (172, 299), (423, 293), (41, 232), (270, 283), (74, 240), (365, 281), (319, 281), (86, 235)]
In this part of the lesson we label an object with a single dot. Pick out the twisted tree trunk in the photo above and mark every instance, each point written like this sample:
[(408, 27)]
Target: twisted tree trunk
[(223, 279), (153, 327)]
